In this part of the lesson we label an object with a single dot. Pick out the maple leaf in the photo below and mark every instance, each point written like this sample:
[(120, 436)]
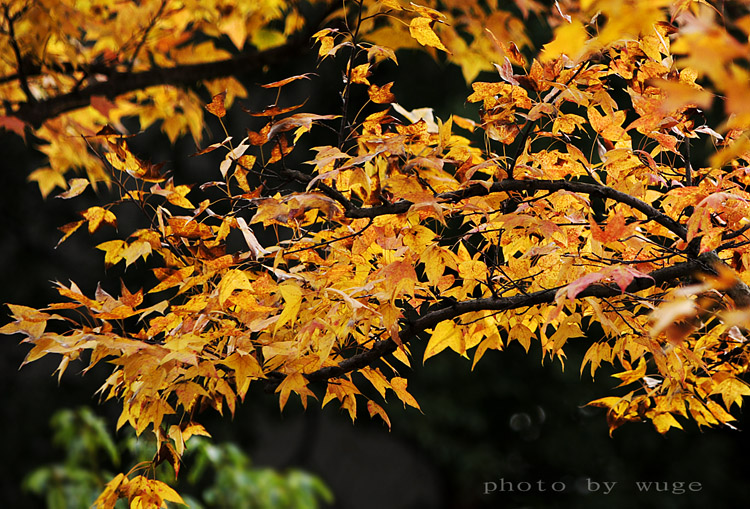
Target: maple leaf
[(445, 335), (109, 496), (570, 40), (216, 106), (732, 391), (48, 179), (13, 124), (381, 95), (96, 216), (232, 280), (303, 121), (375, 409), (398, 385), (286, 81), (421, 29), (75, 187), (292, 296), (293, 383), (68, 230)]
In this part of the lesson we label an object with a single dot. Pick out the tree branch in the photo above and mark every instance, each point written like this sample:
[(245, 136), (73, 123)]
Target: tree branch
[(653, 214), (410, 330), (119, 83), (657, 277), (329, 191), (21, 63)]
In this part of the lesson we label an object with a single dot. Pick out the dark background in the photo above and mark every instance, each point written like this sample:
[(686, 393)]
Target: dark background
[(513, 419)]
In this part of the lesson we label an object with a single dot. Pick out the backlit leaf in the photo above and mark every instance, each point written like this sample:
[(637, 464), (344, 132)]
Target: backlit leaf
[(381, 95), (421, 29), (96, 216), (445, 335), (398, 385), (75, 187), (216, 106)]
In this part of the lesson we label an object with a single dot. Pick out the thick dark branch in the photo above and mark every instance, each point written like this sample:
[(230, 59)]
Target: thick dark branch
[(329, 191), (657, 277), (650, 212), (379, 349), (429, 319), (739, 292), (34, 70), (736, 233), (119, 82)]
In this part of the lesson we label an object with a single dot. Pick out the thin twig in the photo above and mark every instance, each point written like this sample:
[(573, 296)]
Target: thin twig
[(347, 85), (148, 29), (331, 241), (141, 205), (530, 123), (688, 164)]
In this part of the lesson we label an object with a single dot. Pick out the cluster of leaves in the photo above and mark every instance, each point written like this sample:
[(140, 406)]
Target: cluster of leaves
[(234, 483), (572, 199)]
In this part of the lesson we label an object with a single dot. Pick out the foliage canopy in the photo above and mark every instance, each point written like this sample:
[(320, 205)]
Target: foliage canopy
[(589, 191)]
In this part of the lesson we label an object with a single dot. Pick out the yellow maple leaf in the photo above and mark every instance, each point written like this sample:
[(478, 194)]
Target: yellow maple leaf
[(381, 95), (663, 421), (732, 390), (445, 335), (75, 187), (398, 385), (360, 74), (292, 295), (109, 496), (113, 250), (375, 409), (98, 215), (293, 383), (234, 279), (377, 379), (570, 39), (421, 29), (48, 179)]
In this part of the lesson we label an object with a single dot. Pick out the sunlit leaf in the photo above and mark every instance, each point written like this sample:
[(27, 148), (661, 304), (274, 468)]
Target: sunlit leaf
[(421, 29), (216, 106)]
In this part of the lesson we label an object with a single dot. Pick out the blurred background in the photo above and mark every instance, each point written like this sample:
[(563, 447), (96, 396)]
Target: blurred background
[(498, 436)]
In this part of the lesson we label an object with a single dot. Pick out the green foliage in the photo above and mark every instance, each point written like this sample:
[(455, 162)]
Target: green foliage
[(236, 484), (222, 476), (78, 479)]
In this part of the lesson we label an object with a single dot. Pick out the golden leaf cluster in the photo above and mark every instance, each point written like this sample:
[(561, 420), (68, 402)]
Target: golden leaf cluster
[(570, 199)]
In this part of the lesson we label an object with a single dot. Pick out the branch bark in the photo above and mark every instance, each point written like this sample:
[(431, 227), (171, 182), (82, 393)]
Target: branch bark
[(410, 330), (118, 83), (653, 214)]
